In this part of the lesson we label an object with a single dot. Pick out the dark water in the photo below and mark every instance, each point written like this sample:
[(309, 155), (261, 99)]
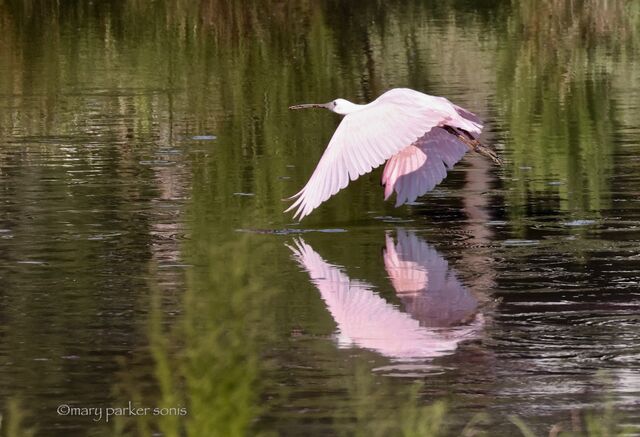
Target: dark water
[(144, 257)]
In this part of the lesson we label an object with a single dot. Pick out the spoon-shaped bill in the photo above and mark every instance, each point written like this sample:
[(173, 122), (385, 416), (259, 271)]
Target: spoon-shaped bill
[(310, 105)]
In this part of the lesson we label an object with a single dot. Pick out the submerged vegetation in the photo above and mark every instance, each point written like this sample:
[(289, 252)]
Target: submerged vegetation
[(13, 418), (209, 360)]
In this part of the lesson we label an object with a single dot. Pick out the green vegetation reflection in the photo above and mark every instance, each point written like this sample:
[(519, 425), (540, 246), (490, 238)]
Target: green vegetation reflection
[(201, 67)]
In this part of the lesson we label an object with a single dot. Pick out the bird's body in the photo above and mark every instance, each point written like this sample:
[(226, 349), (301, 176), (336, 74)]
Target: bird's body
[(420, 136)]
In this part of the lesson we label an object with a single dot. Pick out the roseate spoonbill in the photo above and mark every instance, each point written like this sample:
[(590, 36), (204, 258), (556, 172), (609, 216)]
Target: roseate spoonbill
[(365, 319), (420, 136)]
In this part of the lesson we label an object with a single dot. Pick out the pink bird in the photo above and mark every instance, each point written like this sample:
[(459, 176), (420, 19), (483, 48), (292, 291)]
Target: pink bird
[(418, 135)]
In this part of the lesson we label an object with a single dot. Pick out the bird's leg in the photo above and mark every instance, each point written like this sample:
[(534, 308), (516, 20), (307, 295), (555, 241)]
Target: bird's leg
[(489, 153), (474, 144)]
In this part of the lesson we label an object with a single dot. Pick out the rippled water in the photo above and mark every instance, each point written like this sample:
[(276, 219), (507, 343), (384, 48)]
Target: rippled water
[(145, 150)]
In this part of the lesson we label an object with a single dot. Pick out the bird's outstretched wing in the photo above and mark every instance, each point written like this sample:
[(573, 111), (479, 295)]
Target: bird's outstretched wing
[(365, 139), (418, 168)]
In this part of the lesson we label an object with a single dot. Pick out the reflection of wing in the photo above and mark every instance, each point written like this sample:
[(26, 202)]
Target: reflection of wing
[(424, 282), (366, 319)]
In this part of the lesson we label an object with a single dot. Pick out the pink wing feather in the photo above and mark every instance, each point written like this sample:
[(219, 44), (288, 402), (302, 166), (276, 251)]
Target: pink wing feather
[(418, 168), (365, 139)]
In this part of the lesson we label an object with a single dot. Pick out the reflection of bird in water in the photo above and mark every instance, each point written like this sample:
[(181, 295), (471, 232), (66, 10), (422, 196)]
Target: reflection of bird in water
[(418, 135), (367, 320), (427, 287)]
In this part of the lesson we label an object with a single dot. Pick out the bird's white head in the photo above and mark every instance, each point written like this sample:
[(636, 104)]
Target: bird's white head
[(339, 106), (344, 107)]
